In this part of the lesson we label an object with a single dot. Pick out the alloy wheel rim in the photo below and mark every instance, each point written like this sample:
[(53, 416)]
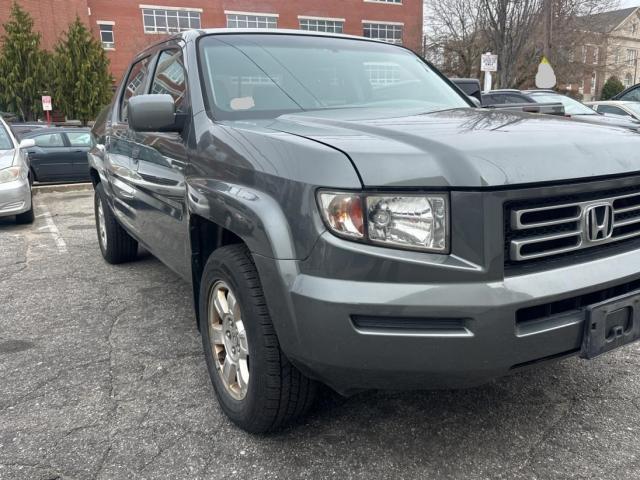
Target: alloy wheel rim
[(102, 227), (228, 340)]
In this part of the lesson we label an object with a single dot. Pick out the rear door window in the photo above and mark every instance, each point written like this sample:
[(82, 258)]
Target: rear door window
[(79, 139), (49, 140), (134, 85), (170, 78)]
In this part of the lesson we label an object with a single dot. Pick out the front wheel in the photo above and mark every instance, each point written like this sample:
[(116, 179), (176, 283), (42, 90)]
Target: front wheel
[(116, 245), (27, 217), (256, 385)]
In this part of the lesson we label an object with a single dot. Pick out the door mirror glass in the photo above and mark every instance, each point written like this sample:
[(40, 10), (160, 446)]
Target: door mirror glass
[(27, 143), (152, 113)]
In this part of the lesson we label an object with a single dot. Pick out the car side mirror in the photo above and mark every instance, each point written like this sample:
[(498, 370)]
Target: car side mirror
[(152, 113), (475, 101), (27, 143)]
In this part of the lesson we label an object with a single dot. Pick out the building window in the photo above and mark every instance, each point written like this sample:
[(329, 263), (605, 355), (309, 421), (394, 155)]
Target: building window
[(331, 25), (106, 35), (581, 87), (634, 28), (165, 20), (251, 20), (584, 54), (628, 80), (616, 56), (631, 55), (387, 32), (596, 54), (594, 82), (382, 74)]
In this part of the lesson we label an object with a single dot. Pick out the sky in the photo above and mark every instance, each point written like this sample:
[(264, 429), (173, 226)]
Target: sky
[(629, 3)]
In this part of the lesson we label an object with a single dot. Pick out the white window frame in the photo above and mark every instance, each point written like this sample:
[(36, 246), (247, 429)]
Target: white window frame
[(628, 80), (107, 45), (335, 21), (257, 15), (390, 24), (166, 29)]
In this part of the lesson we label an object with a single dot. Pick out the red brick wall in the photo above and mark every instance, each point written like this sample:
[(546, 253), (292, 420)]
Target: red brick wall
[(130, 37), (51, 17)]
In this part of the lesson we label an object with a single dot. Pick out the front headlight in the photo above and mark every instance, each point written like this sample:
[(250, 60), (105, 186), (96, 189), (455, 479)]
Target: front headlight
[(416, 222), (10, 174)]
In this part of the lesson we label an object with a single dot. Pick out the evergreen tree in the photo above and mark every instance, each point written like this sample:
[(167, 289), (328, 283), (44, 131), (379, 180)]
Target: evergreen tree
[(82, 80), (22, 72), (611, 88)]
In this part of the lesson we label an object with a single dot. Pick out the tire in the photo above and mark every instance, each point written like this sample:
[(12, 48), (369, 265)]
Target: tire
[(27, 217), (275, 391), (116, 245)]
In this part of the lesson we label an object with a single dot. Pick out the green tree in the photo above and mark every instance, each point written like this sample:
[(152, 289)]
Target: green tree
[(611, 88), (82, 80), (22, 74)]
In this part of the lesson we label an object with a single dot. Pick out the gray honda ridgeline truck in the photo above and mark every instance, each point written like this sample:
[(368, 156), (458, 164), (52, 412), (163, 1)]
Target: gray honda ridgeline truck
[(346, 216)]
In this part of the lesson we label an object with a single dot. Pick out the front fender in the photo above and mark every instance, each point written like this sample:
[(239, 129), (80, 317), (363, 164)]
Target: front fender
[(252, 215)]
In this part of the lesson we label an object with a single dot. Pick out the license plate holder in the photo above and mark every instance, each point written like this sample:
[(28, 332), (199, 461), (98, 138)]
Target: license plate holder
[(611, 324)]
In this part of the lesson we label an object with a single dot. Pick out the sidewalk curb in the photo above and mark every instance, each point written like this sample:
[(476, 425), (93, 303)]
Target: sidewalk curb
[(69, 187)]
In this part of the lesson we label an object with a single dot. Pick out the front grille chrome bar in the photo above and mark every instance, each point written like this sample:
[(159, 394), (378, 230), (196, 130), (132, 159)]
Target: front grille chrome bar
[(548, 230)]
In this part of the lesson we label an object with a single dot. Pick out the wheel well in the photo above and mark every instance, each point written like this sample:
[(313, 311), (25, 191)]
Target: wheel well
[(205, 236), (95, 176)]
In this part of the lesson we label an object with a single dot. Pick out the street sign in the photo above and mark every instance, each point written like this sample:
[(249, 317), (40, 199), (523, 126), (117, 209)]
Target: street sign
[(46, 103), (489, 62)]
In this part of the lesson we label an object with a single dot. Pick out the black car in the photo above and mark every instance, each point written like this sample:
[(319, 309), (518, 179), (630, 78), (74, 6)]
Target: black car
[(60, 154), (631, 94), (502, 97), (20, 130)]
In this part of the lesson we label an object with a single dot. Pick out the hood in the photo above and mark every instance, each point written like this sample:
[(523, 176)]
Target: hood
[(6, 158), (467, 147)]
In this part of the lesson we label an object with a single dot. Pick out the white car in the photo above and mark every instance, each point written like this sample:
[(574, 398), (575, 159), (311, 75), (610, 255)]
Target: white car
[(15, 181), (630, 110)]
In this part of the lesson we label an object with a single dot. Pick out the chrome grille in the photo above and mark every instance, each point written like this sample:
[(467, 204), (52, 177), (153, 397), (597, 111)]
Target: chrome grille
[(537, 232)]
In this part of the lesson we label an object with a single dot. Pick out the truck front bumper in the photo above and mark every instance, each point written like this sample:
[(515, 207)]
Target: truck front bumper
[(355, 335), (15, 197)]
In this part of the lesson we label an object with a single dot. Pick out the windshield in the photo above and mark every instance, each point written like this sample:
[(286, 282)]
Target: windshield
[(571, 106), (634, 107), (266, 75), (5, 139)]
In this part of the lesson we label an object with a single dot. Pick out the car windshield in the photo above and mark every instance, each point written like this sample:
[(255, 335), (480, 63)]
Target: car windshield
[(634, 107), (5, 139), (571, 106), (266, 75)]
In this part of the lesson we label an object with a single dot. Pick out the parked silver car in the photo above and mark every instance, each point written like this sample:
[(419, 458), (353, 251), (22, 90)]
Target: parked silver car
[(15, 181)]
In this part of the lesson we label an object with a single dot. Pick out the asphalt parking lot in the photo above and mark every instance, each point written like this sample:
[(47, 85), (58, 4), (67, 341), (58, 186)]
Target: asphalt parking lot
[(102, 376)]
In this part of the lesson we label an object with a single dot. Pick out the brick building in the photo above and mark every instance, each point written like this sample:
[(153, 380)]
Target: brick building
[(127, 26)]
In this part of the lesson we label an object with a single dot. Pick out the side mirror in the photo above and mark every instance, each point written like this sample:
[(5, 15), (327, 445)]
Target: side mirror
[(152, 113), (27, 143), (475, 101)]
